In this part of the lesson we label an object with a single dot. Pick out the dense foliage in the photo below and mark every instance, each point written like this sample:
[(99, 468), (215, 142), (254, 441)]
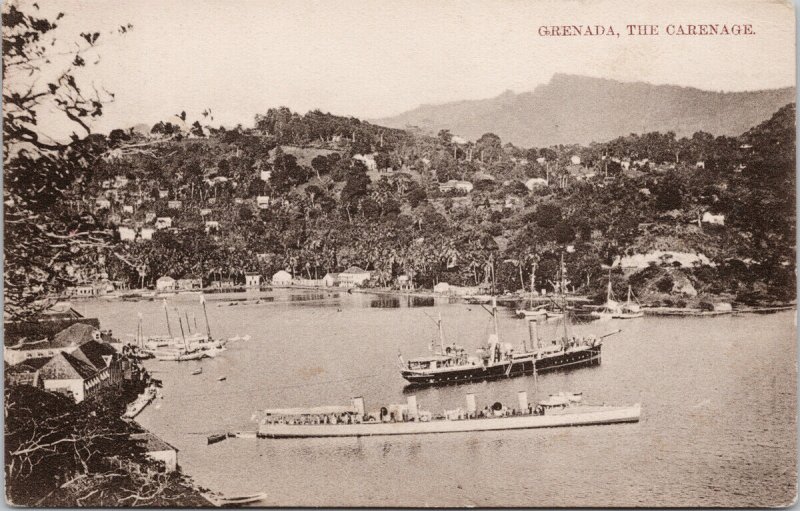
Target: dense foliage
[(328, 211)]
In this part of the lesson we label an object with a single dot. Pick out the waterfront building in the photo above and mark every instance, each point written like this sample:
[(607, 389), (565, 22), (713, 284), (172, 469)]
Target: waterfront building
[(353, 276), (165, 283), (282, 278), (330, 280), (252, 280)]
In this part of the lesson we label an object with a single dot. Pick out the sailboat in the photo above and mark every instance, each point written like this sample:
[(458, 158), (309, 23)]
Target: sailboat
[(613, 309), (533, 312), (496, 359)]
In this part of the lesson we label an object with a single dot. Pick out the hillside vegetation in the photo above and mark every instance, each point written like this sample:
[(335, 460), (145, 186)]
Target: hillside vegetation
[(631, 195)]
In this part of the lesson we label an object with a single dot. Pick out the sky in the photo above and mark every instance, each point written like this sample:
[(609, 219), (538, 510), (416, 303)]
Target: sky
[(375, 58)]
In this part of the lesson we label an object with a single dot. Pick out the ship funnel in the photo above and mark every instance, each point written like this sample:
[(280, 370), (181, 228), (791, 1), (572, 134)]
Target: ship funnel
[(413, 411), (522, 397), (358, 404), (471, 408)]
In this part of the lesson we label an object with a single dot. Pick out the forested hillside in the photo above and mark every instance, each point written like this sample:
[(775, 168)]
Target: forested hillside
[(317, 193)]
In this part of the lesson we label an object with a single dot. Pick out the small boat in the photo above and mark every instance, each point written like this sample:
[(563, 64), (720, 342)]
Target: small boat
[(222, 378), (199, 370), (561, 410), (239, 501), (179, 355), (219, 437)]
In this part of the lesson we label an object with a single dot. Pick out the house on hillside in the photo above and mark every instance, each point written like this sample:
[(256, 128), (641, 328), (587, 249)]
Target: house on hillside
[(157, 449), (453, 184), (575, 159), (126, 233), (103, 203), (368, 160), (174, 204), (282, 279), (205, 212), (127, 208), (146, 233), (353, 276), (700, 165), (83, 372), (66, 340), (149, 216), (535, 182), (211, 226), (262, 201), (711, 218), (165, 283), (163, 194), (163, 222), (266, 175)]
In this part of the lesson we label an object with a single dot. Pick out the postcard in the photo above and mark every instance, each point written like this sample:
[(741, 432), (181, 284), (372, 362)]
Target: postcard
[(404, 254)]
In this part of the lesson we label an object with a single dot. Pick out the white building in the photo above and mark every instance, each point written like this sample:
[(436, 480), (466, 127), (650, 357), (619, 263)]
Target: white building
[(262, 201), (282, 278), (157, 449), (252, 280), (147, 233), (212, 226), (165, 283), (368, 160), (330, 280), (126, 234), (353, 276), (266, 175), (535, 182), (711, 218), (453, 184), (163, 222)]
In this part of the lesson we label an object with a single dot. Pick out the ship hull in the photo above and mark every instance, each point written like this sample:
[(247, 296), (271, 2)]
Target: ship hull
[(561, 361), (588, 417)]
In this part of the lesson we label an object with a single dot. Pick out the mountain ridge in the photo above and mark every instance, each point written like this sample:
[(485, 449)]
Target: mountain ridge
[(580, 109)]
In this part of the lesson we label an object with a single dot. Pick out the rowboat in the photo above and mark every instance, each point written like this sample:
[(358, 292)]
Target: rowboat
[(239, 501), (350, 421)]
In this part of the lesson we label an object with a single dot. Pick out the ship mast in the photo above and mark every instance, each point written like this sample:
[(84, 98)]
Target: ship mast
[(494, 314), (441, 334), (563, 286)]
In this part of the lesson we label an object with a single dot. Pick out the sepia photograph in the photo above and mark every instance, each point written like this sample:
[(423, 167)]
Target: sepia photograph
[(405, 254)]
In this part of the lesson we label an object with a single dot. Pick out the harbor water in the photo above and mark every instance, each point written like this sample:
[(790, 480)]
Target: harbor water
[(718, 401)]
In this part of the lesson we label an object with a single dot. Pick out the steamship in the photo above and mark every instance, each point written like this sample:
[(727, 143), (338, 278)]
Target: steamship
[(560, 410), (452, 364)]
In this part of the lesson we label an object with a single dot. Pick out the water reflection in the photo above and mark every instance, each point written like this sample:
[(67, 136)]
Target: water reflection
[(385, 302)]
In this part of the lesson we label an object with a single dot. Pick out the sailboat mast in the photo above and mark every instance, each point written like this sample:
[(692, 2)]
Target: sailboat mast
[(494, 313), (563, 287), (441, 333), (166, 313), (205, 314), (180, 323)]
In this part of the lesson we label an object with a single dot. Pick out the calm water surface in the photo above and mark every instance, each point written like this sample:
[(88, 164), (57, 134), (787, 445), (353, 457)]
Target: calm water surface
[(718, 397)]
